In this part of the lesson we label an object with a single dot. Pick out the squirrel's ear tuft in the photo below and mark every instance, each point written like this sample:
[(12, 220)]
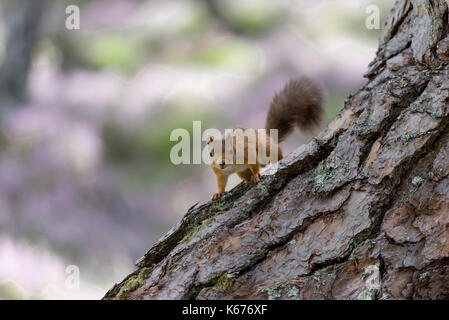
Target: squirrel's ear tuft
[(209, 139)]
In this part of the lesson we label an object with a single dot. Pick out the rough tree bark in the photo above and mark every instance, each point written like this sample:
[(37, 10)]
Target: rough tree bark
[(360, 212)]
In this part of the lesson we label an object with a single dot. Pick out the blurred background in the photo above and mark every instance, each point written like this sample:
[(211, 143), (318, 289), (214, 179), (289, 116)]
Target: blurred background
[(86, 116)]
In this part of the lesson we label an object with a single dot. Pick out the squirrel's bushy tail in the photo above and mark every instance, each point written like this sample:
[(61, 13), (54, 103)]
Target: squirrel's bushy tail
[(299, 104)]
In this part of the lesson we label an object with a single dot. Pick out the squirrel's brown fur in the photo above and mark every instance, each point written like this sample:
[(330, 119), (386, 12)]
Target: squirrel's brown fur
[(299, 104)]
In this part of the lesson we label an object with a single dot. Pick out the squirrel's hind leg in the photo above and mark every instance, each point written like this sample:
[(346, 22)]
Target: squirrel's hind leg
[(255, 172), (245, 175)]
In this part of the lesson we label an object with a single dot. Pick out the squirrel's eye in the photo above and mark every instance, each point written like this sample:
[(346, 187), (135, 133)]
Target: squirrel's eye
[(211, 153)]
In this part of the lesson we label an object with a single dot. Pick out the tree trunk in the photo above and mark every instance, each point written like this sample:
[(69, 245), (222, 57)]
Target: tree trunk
[(23, 20), (360, 212)]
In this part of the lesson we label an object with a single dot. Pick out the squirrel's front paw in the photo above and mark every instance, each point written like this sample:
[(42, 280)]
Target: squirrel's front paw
[(255, 178), (217, 195)]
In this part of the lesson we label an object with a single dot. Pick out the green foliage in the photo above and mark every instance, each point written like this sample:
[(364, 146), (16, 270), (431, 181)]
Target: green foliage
[(255, 20), (150, 139), (114, 52), (334, 103), (9, 291), (199, 22), (230, 54), (3, 140)]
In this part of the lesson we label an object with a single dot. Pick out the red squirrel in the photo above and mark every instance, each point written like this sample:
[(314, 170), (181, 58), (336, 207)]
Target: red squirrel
[(299, 104)]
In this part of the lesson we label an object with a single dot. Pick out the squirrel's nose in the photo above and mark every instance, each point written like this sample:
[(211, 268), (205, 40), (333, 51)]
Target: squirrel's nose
[(222, 165)]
